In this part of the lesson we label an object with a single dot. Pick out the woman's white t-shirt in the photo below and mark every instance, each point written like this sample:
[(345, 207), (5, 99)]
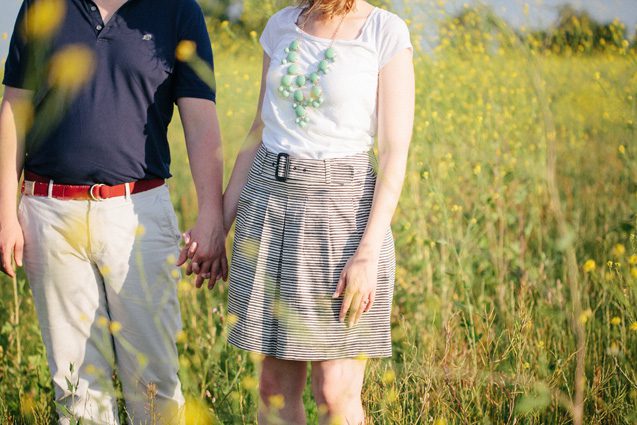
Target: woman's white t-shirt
[(345, 124)]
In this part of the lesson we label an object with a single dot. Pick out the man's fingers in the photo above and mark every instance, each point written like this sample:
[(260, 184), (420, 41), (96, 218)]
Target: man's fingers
[(183, 252), (224, 267), (189, 269), (7, 267), (18, 253), (183, 256)]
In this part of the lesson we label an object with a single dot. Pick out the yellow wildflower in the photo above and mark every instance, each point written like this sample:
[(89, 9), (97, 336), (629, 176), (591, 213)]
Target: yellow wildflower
[(115, 327), (277, 401), (186, 50), (619, 250), (589, 266)]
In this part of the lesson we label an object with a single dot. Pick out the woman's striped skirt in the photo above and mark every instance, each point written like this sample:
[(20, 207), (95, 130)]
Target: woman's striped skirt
[(298, 223)]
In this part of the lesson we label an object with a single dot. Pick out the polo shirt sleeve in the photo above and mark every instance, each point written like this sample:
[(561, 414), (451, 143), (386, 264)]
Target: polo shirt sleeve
[(16, 69), (188, 83)]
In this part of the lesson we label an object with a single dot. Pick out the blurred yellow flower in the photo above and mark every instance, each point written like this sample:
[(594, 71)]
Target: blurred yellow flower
[(589, 266), (619, 250), (71, 68), (615, 321), (102, 321), (27, 405), (197, 413), (91, 369), (186, 50), (115, 327), (585, 315), (621, 149), (614, 348), (633, 259), (181, 337), (633, 326), (277, 402), (232, 319), (249, 383), (389, 376), (44, 17), (140, 231), (5, 35), (633, 272)]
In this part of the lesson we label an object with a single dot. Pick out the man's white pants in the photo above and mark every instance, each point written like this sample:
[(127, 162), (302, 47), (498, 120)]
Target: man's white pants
[(103, 278)]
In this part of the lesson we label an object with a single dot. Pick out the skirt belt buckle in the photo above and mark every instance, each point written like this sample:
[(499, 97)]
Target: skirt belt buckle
[(282, 170)]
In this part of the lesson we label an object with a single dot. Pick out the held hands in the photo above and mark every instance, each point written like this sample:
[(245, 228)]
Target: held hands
[(11, 245), (205, 247), (357, 284)]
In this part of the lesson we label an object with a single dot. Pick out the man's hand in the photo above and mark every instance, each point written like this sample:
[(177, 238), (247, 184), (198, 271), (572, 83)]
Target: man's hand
[(204, 246), (11, 244)]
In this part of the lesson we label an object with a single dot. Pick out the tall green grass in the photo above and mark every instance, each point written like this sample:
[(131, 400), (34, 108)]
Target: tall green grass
[(500, 264)]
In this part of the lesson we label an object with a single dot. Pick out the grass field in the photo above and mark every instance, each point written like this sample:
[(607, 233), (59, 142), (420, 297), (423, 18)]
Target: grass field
[(516, 240)]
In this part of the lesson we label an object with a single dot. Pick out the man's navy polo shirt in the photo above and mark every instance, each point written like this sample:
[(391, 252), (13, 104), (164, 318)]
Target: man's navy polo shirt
[(114, 129)]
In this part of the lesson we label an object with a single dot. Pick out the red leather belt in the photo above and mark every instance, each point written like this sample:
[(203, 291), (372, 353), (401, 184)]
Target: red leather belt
[(35, 185)]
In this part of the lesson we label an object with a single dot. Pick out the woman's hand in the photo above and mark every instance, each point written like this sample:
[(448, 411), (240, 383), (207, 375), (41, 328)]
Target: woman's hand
[(206, 250), (357, 284)]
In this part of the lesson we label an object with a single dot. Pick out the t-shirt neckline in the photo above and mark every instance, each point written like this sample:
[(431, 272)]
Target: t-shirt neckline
[(336, 40)]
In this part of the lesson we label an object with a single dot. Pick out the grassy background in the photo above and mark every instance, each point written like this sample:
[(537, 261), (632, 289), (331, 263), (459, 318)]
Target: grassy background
[(491, 271)]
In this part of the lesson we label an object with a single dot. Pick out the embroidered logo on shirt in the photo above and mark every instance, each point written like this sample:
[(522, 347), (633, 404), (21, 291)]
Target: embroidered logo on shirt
[(147, 37)]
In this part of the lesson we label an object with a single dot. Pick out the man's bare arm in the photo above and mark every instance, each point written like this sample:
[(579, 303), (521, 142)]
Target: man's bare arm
[(14, 113)]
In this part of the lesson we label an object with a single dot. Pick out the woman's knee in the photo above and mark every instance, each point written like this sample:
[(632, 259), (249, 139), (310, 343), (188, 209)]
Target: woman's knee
[(335, 385), (280, 378)]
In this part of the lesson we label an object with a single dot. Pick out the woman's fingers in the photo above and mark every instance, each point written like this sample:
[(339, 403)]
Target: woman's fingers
[(356, 310), (183, 252), (339, 287), (214, 271), (370, 302), (347, 302), (203, 274)]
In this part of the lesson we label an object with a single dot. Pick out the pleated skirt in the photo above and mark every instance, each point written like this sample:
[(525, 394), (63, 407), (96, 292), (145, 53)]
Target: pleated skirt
[(292, 240)]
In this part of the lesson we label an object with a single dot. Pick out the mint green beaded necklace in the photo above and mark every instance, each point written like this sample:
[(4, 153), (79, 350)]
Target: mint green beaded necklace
[(294, 81)]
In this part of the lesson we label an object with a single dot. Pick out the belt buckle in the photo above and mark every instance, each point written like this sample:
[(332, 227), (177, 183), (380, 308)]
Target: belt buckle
[(282, 174), (91, 192)]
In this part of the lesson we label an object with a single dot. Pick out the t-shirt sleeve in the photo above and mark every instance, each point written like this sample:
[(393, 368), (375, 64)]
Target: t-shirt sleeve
[(16, 69), (268, 36), (195, 78), (394, 38)]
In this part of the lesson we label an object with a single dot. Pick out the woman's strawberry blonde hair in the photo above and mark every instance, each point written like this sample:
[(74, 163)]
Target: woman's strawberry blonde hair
[(327, 8)]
